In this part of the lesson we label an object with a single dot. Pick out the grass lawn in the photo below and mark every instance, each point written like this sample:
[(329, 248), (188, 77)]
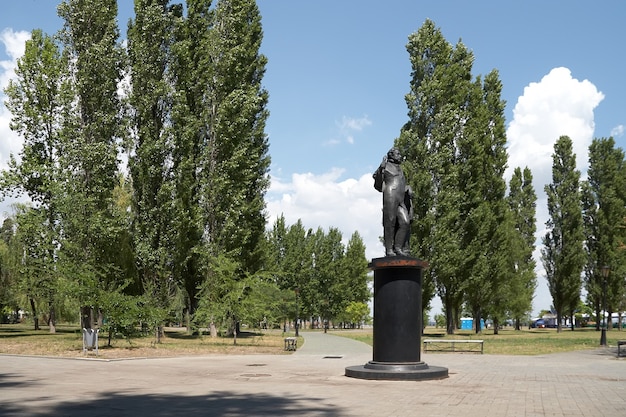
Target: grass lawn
[(20, 339), (511, 342)]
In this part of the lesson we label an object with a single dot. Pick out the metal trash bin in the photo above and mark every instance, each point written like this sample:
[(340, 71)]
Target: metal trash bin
[(90, 340)]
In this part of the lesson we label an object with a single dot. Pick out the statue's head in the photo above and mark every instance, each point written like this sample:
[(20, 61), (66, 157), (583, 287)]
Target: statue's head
[(394, 155)]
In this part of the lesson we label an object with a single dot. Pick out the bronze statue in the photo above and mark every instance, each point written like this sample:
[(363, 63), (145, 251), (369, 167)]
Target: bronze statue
[(397, 206)]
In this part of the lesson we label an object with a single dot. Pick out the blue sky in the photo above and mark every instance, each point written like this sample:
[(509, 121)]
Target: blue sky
[(338, 72)]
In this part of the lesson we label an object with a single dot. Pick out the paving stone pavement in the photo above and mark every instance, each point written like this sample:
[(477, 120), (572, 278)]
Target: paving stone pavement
[(311, 382)]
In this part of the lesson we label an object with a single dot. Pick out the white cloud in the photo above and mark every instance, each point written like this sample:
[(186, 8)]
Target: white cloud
[(347, 127), (354, 124), (14, 44), (555, 106), (10, 143), (617, 131), (328, 201)]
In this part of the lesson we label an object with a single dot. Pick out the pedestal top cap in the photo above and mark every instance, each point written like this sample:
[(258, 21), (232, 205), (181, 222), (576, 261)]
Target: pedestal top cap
[(397, 262)]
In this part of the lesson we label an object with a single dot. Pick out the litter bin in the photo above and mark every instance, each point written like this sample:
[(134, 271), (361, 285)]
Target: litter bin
[(90, 340)]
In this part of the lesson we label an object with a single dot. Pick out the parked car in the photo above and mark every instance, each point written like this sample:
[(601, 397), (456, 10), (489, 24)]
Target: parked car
[(538, 324)]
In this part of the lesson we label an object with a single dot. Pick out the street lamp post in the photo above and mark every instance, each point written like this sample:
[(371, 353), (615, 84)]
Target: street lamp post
[(605, 274), (297, 290)]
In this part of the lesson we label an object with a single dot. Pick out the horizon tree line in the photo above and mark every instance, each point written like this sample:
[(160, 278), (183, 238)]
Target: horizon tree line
[(182, 234)]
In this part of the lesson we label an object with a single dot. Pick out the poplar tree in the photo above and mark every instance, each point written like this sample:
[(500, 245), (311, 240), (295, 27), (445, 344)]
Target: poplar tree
[(454, 144), (150, 99), (236, 147), (355, 267), (39, 100), (604, 214), (220, 158), (437, 100), (92, 226), (485, 230), (190, 66), (562, 254), (522, 203)]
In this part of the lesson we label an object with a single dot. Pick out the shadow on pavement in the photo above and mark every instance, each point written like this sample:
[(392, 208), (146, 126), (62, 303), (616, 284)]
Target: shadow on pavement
[(13, 381), (222, 403)]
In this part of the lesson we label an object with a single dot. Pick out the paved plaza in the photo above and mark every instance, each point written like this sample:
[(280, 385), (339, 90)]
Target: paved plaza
[(311, 382)]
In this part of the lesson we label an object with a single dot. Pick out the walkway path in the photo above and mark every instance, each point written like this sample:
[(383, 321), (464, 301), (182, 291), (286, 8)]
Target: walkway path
[(326, 344), (311, 382)]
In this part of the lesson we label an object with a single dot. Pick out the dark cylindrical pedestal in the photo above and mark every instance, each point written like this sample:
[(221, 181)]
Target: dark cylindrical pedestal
[(397, 323), (397, 314)]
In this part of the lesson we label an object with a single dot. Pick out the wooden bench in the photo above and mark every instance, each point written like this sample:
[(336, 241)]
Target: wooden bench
[(620, 343), (449, 345), (291, 343)]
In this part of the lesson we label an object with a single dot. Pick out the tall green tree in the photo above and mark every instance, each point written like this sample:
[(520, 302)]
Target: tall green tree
[(454, 144), (35, 276), (440, 79), (149, 49), (323, 289), (355, 288), (485, 231), (289, 258), (522, 202), (604, 214), (220, 157), (91, 228), (190, 68), (39, 101), (236, 154), (9, 304), (562, 255)]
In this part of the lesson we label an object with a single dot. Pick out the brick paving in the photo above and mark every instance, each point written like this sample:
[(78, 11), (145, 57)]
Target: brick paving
[(311, 382)]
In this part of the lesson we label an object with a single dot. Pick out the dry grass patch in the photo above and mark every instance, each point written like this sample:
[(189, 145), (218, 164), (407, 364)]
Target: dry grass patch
[(512, 342), (67, 342)]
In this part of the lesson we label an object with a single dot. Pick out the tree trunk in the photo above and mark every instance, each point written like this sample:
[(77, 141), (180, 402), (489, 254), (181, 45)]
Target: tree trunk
[(85, 317), (33, 309), (477, 328), (52, 320), (188, 321), (496, 325), (450, 324)]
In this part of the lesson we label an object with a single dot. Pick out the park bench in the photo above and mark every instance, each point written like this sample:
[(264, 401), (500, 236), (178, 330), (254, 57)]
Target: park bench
[(449, 345), (291, 343), (620, 343)]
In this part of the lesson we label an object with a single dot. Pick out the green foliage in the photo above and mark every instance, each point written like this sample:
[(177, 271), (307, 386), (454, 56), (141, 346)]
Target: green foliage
[(188, 223), (454, 145), (357, 313), (39, 102), (149, 51), (604, 214), (440, 73), (223, 294), (522, 202), (327, 276), (562, 254)]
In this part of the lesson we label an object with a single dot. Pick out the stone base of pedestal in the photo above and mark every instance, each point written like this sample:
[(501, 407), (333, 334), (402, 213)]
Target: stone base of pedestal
[(397, 371), (397, 323)]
